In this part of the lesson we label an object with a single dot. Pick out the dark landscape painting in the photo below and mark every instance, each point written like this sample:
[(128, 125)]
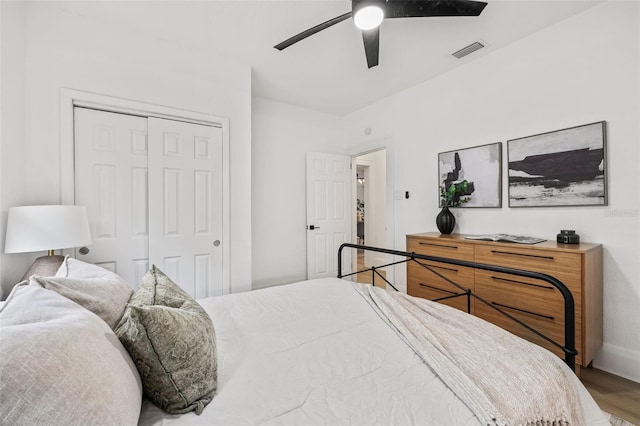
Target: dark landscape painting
[(561, 168), (481, 167)]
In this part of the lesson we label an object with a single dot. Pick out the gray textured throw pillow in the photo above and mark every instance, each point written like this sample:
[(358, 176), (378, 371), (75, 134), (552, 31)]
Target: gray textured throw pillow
[(172, 342), (94, 288)]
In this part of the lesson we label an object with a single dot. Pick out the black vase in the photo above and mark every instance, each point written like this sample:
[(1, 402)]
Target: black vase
[(445, 221)]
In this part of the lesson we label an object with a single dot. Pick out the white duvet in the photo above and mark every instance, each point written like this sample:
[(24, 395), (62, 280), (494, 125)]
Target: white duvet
[(315, 353)]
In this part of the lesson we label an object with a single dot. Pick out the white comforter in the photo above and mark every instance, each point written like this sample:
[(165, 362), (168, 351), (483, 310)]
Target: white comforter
[(316, 353)]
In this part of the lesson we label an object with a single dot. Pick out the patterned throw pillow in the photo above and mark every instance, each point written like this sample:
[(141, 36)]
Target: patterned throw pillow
[(172, 342), (156, 288)]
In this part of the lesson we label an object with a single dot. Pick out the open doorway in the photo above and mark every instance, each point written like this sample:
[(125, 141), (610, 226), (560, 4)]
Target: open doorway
[(370, 201)]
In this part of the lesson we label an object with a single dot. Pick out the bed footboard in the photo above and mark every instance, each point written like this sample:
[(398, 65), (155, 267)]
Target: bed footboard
[(568, 348)]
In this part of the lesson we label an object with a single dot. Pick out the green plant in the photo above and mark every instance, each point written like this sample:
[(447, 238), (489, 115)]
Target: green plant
[(453, 196)]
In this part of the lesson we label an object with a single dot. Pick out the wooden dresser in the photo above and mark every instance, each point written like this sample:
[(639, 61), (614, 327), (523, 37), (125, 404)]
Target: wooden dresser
[(537, 303)]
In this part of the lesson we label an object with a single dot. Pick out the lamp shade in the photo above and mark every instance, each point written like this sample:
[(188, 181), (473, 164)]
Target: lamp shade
[(40, 228)]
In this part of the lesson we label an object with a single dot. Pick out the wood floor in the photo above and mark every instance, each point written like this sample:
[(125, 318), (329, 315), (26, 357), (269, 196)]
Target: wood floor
[(367, 277), (615, 395)]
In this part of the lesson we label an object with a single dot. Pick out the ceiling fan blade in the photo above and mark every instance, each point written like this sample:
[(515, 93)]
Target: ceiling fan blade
[(311, 31), (426, 8), (371, 40)]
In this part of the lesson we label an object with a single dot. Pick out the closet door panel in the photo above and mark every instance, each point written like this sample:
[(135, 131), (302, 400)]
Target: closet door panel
[(111, 182), (185, 204)]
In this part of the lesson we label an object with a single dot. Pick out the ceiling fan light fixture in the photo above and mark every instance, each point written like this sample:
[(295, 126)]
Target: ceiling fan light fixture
[(368, 17)]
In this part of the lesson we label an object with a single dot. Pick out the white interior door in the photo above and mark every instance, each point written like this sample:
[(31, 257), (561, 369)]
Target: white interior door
[(185, 201), (328, 213), (111, 182), (153, 190)]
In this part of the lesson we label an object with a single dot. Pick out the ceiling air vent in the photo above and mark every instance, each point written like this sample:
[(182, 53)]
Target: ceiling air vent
[(467, 50)]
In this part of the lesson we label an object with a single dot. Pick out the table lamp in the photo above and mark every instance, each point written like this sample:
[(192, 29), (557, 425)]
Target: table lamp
[(51, 227)]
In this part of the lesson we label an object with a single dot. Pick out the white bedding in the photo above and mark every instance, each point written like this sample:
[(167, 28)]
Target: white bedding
[(316, 353)]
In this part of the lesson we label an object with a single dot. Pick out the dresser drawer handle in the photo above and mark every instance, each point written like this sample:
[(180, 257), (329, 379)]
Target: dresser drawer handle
[(521, 282), (522, 254), (436, 288), (444, 267), (522, 310), (438, 245)]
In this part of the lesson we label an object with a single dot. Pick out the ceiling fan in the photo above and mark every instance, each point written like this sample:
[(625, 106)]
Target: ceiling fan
[(368, 15)]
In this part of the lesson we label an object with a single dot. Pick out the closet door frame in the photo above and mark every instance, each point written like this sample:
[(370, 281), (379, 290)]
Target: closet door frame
[(70, 98)]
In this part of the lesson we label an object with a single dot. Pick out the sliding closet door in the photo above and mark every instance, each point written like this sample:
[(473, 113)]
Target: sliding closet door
[(153, 192), (185, 204), (111, 182)]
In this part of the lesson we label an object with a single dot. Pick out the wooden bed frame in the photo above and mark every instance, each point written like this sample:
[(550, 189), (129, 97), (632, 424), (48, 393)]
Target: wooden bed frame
[(568, 348)]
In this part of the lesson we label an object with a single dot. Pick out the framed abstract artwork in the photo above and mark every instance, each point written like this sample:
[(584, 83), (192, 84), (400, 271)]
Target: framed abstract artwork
[(481, 167), (560, 168)]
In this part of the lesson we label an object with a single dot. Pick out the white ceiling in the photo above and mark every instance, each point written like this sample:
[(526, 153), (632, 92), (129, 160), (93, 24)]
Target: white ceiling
[(328, 71)]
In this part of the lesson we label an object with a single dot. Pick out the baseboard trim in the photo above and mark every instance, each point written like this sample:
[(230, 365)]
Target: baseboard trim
[(619, 361)]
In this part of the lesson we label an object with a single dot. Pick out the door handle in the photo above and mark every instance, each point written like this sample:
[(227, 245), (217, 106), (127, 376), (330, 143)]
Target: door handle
[(312, 227), (84, 250)]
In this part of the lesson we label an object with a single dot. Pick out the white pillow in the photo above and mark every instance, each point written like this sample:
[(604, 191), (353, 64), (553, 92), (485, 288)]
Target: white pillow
[(61, 365)]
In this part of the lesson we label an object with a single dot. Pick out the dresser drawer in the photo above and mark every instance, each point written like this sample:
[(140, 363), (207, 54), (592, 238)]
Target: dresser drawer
[(434, 284), (567, 267), (551, 330), (535, 302), (449, 249), (440, 275), (418, 289)]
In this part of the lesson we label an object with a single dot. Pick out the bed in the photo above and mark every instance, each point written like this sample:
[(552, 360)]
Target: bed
[(314, 352)]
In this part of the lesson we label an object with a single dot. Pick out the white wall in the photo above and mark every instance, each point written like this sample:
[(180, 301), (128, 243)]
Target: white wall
[(360, 189), (375, 204), (581, 70), (281, 136), (13, 131), (68, 50)]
